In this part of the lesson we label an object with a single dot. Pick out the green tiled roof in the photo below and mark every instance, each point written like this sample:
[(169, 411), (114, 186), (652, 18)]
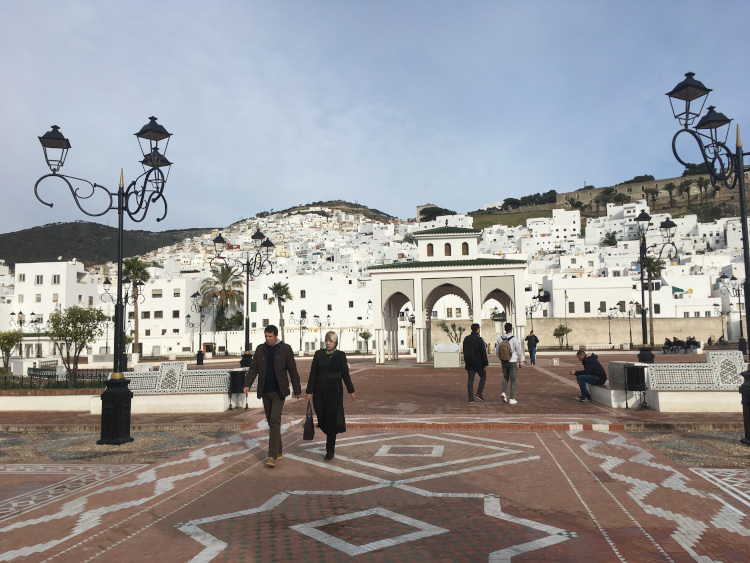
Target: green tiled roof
[(439, 263), (447, 231)]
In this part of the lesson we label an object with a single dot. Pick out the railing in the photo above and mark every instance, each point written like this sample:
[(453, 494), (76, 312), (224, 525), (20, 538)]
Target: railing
[(153, 359), (45, 378)]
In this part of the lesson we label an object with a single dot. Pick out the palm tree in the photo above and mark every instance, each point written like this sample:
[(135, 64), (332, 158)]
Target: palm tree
[(670, 187), (135, 269), (685, 187), (703, 184), (223, 288), (652, 193), (652, 267), (280, 294)]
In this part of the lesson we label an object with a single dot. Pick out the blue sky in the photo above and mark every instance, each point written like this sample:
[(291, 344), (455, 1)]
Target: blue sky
[(392, 104)]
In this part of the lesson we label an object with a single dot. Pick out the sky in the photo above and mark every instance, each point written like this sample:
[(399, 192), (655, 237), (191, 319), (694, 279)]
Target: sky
[(388, 103)]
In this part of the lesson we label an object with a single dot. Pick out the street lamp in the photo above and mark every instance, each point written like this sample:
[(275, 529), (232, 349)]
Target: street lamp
[(668, 228), (256, 263), (730, 174), (320, 323), (609, 313), (191, 325), (19, 323), (717, 312), (632, 310), (566, 318), (535, 306), (733, 288), (135, 200), (410, 319), (302, 322), (200, 306)]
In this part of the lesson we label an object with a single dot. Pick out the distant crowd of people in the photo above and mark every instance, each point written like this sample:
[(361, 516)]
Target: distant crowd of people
[(675, 345)]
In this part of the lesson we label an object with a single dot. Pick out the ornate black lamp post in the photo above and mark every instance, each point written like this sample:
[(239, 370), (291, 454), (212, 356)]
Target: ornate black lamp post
[(668, 228), (717, 312), (320, 323), (127, 299), (535, 306), (36, 325), (733, 288), (19, 323), (135, 200), (191, 325), (632, 309), (725, 168), (410, 319), (203, 312), (609, 314), (302, 323), (256, 263)]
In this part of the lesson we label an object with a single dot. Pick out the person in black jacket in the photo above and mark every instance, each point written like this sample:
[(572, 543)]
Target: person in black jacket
[(592, 372), (531, 342), (475, 358), (329, 369)]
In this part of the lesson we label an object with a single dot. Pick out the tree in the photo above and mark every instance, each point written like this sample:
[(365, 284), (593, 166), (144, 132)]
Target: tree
[(73, 330), (560, 333), (641, 179), (9, 340), (652, 267), (670, 187), (610, 239), (599, 200), (431, 213), (685, 186), (453, 331), (135, 269), (696, 169), (652, 193), (574, 202), (703, 184), (366, 335), (223, 289), (280, 294)]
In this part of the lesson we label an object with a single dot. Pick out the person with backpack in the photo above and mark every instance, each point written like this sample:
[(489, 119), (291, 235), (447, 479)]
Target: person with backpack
[(511, 357), (531, 342), (475, 358)]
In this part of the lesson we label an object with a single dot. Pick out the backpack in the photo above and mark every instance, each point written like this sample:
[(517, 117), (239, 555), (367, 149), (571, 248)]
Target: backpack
[(504, 351)]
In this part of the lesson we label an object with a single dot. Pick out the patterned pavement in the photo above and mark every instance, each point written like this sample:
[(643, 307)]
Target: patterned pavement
[(478, 485)]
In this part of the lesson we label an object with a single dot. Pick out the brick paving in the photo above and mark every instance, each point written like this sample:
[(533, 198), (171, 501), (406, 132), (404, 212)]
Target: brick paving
[(420, 475)]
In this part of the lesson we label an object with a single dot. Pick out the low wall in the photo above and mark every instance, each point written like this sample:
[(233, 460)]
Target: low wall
[(38, 402), (185, 403)]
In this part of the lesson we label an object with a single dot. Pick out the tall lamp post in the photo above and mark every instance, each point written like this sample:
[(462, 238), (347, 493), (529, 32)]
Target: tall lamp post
[(632, 310), (410, 318), (203, 311), (127, 299), (566, 318), (668, 228), (302, 323), (135, 200), (256, 263), (610, 314), (321, 323), (535, 306), (725, 168), (191, 325), (19, 323), (733, 288)]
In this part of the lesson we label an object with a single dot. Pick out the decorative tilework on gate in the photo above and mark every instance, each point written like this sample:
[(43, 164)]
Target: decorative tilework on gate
[(721, 371), (174, 377)]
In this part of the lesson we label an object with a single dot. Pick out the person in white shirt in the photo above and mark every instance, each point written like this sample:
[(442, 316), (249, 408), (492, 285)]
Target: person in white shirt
[(511, 363)]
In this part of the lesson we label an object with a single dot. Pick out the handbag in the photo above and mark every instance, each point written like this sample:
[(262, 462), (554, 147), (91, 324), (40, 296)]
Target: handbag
[(309, 431)]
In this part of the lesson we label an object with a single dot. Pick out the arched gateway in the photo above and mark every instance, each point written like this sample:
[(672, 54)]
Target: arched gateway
[(448, 264)]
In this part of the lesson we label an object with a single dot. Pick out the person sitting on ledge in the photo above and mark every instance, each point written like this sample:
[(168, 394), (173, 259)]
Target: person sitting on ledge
[(666, 347), (710, 340), (676, 345), (592, 373)]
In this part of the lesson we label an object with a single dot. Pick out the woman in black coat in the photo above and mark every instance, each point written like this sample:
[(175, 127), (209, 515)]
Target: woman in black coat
[(329, 373)]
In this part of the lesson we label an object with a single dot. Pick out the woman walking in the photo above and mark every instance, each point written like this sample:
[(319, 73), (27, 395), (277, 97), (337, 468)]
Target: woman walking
[(329, 373)]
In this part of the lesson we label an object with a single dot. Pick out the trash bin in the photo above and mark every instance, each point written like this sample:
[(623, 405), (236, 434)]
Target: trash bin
[(447, 355), (199, 358), (635, 378)]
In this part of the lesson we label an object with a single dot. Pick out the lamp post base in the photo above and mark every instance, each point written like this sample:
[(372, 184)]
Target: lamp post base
[(742, 344), (246, 358), (116, 400), (745, 393), (645, 355)]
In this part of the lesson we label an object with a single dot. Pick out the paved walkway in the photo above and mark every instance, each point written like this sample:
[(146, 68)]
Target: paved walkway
[(421, 475)]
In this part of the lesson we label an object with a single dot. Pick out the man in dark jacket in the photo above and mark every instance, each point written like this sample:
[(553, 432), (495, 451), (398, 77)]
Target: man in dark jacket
[(272, 362), (475, 358), (531, 342), (592, 373)]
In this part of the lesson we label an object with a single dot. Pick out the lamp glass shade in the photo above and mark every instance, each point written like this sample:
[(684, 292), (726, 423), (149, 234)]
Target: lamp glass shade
[(689, 89), (152, 131), (55, 147), (713, 119)]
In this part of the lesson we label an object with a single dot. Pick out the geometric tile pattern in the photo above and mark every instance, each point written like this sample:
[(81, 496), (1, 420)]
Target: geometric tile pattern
[(174, 377), (722, 371), (735, 482)]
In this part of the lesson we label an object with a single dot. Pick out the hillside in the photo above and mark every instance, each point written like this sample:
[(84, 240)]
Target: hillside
[(340, 205), (90, 243)]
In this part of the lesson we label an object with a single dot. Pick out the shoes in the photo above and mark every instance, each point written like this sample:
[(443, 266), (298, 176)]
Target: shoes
[(513, 402), (329, 456), (481, 398), (278, 457), (502, 398), (585, 399), (270, 462), (471, 400)]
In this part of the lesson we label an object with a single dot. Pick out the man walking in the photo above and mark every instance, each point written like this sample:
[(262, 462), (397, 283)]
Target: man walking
[(531, 342), (592, 372), (511, 357), (475, 358), (272, 362)]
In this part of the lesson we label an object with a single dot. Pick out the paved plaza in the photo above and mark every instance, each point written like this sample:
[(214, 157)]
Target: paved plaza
[(420, 475)]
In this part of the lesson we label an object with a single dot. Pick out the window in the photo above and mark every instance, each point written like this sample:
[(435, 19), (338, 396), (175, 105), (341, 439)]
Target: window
[(615, 273), (265, 323), (163, 331), (176, 314), (253, 325), (591, 263), (253, 307), (603, 306), (265, 298), (21, 277), (430, 250), (55, 297), (145, 314), (686, 314), (38, 298), (449, 312), (458, 312), (586, 307), (572, 260), (697, 313), (20, 298), (156, 293), (302, 293), (38, 280), (158, 314), (56, 279), (464, 248), (571, 307), (80, 298), (175, 331), (330, 307), (351, 304), (447, 250), (148, 332), (657, 309), (621, 306), (91, 301), (176, 293), (434, 314), (706, 313), (131, 315)]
